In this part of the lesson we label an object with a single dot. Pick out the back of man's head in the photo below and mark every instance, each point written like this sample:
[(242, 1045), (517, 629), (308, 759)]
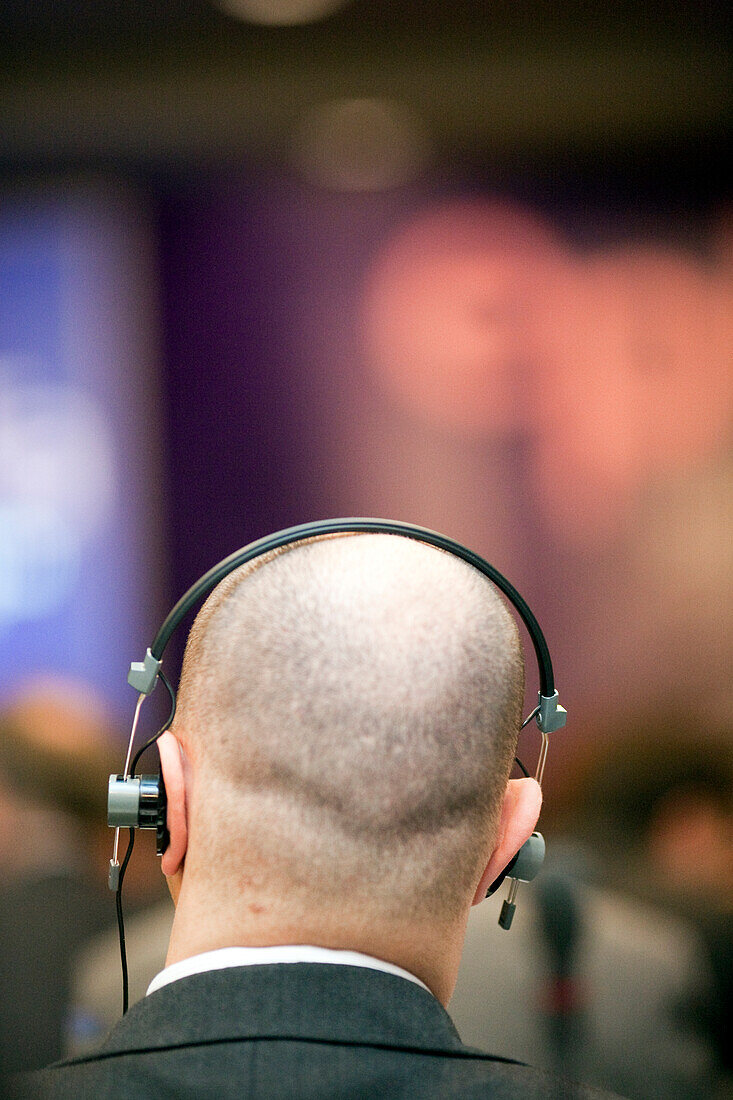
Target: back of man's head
[(350, 707)]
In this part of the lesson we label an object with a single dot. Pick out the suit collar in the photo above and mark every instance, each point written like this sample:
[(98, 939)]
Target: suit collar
[(302, 1001)]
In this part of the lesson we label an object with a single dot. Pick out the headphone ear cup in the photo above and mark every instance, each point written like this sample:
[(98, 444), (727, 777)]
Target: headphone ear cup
[(162, 836), (525, 865), (529, 859)]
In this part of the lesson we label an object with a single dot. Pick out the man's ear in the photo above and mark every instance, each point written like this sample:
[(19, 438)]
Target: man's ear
[(171, 765), (519, 814)]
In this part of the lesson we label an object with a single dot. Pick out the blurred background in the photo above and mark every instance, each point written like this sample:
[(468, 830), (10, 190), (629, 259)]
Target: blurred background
[(469, 265)]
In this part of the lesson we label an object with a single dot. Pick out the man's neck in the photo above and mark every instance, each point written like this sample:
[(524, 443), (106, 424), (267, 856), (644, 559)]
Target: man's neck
[(203, 923)]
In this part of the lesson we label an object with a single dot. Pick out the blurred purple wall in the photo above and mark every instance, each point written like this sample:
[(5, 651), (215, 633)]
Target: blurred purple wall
[(240, 464)]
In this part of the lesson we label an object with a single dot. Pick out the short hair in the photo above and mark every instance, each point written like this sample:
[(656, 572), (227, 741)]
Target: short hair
[(352, 705)]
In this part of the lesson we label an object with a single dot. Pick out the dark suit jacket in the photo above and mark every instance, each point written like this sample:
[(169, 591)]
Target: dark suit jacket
[(291, 1030)]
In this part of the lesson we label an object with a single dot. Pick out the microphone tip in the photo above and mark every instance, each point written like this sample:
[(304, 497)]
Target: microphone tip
[(113, 879)]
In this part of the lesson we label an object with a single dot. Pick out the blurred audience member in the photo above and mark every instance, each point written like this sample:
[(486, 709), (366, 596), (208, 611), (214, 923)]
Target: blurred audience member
[(591, 984), (96, 992), (659, 807), (54, 752)]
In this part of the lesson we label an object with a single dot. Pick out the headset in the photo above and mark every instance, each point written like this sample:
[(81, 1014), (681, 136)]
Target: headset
[(139, 801)]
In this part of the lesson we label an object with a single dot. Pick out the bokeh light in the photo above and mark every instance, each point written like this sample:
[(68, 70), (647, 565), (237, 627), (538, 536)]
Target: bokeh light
[(360, 145), (450, 313), (280, 13), (638, 376)]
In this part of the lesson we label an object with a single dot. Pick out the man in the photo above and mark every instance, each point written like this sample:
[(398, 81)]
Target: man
[(338, 798)]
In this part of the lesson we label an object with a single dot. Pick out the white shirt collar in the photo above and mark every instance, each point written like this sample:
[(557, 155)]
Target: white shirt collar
[(225, 957)]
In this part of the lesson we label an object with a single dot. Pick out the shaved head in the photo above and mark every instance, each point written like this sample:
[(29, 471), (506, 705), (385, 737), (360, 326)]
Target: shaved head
[(350, 706)]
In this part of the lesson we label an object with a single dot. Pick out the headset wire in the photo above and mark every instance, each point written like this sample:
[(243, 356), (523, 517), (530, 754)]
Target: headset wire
[(131, 844)]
